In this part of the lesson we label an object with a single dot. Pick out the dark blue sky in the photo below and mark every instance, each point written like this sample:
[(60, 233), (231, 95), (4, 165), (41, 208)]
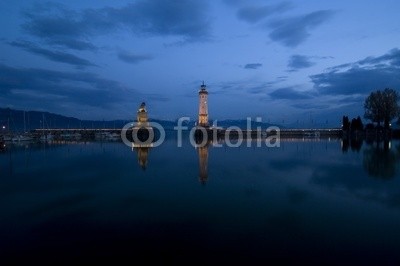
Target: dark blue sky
[(289, 62)]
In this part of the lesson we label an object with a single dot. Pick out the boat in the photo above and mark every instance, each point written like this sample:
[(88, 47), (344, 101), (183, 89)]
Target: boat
[(2, 144), (107, 136), (71, 136), (312, 134), (100, 135), (7, 138), (114, 136), (46, 137), (22, 138)]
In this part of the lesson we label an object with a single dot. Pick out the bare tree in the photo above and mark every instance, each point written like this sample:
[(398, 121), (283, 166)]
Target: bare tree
[(382, 106)]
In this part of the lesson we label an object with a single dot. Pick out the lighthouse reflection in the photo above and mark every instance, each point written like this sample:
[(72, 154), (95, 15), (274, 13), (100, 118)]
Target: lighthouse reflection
[(202, 152)]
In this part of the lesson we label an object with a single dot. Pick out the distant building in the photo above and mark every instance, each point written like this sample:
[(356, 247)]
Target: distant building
[(203, 106)]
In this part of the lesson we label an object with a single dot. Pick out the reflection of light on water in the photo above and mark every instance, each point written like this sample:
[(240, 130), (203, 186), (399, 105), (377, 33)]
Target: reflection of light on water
[(75, 142), (142, 145), (203, 163), (143, 153), (215, 143), (390, 145)]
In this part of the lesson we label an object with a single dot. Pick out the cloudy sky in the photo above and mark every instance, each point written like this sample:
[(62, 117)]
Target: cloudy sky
[(289, 62)]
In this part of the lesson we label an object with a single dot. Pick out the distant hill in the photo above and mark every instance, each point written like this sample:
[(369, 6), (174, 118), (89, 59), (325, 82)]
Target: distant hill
[(18, 121), (242, 123)]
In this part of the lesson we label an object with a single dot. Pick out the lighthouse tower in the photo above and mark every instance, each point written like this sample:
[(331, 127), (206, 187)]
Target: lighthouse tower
[(203, 106)]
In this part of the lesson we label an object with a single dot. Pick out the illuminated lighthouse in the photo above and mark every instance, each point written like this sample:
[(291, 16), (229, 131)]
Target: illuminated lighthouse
[(203, 106)]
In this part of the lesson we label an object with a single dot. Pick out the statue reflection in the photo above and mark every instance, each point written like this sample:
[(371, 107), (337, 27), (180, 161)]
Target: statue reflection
[(143, 132), (202, 151), (142, 153), (380, 160)]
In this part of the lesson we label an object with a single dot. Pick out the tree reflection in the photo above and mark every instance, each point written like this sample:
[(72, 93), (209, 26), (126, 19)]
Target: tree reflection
[(354, 143), (380, 160), (345, 145)]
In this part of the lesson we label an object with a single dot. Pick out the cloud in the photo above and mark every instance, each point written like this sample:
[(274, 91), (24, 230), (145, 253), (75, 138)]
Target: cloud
[(178, 18), (392, 58), (132, 58), (361, 77), (360, 186), (293, 31), (57, 24), (290, 93), (59, 91), (258, 89), (248, 86), (253, 14), (356, 80), (312, 105), (83, 94), (157, 97), (253, 66), (297, 62), (235, 2), (73, 44), (282, 78), (52, 55)]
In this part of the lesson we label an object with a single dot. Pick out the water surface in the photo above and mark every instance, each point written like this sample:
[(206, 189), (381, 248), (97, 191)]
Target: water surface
[(312, 200)]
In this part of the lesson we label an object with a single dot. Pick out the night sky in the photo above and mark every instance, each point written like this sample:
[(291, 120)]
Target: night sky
[(290, 62)]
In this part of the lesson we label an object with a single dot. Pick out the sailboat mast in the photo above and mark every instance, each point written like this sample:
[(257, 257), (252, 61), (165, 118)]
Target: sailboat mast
[(42, 123), (24, 123)]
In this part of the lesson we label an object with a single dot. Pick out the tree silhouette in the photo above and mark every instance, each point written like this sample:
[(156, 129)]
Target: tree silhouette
[(382, 106), (345, 123), (360, 125), (356, 124)]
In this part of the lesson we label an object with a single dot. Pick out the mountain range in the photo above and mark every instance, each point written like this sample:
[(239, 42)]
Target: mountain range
[(20, 121)]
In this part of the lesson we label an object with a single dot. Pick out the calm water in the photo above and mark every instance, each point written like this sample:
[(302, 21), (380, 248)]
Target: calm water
[(307, 201)]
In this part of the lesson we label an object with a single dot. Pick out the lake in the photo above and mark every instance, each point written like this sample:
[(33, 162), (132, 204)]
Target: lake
[(307, 201)]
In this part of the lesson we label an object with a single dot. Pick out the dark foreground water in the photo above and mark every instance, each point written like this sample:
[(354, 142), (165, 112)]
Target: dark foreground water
[(314, 201)]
